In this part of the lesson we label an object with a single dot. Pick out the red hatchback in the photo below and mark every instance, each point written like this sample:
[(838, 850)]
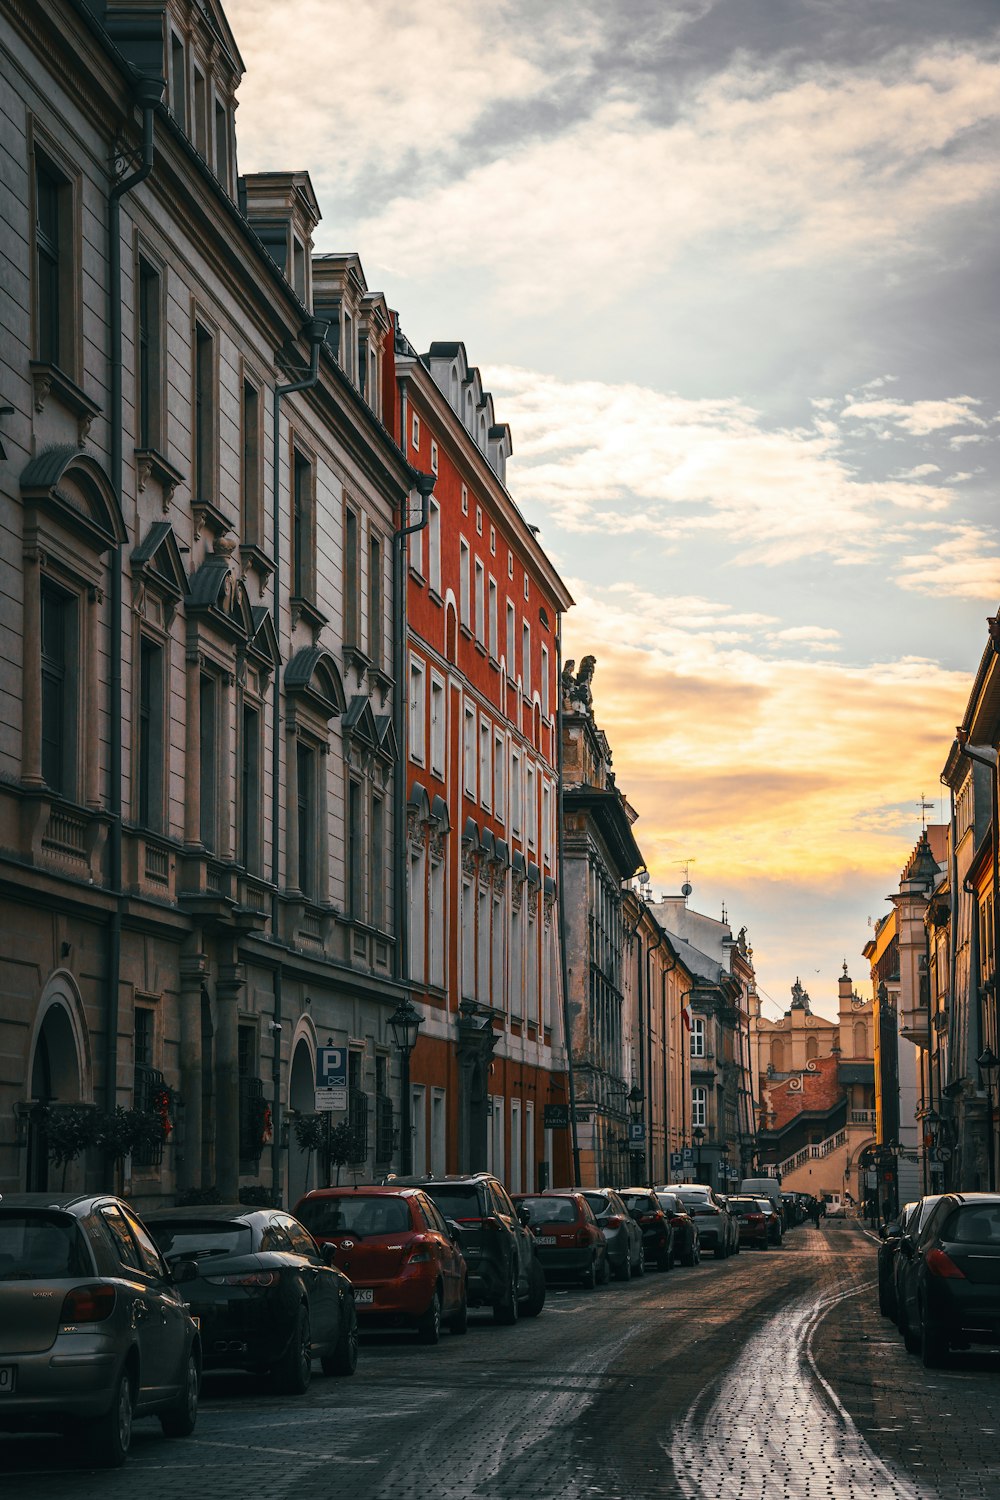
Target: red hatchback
[(398, 1251), (568, 1239)]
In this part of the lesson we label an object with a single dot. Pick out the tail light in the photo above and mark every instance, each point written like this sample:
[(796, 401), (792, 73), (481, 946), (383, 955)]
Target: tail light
[(649, 1218), (755, 1218), (419, 1254), (615, 1222), (246, 1278), (88, 1304), (940, 1264)]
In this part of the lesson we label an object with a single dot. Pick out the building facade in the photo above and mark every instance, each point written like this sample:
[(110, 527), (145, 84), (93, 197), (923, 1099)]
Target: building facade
[(199, 496)]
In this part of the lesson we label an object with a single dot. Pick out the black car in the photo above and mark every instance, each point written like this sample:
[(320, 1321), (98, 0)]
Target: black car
[(657, 1231), (902, 1265), (892, 1234), (499, 1250), (94, 1329), (687, 1241), (951, 1289), (268, 1300)]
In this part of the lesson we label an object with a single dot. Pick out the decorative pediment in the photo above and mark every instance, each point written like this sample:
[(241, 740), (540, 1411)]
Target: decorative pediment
[(470, 833), (156, 563), (359, 721), (263, 642), (312, 675), (73, 489), (487, 844), (218, 591), (387, 743), (439, 814), (417, 803)]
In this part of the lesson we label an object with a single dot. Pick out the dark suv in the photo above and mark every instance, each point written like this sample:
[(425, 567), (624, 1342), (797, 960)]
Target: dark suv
[(504, 1272)]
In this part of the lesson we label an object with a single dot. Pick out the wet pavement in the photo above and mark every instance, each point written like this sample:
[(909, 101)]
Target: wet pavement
[(767, 1375)]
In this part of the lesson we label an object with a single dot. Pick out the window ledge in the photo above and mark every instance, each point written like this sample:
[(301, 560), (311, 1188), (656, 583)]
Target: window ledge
[(494, 662), (464, 630), (382, 681), (307, 610), (481, 649), (150, 464), (356, 658), (256, 559), (207, 514), (48, 379), (435, 597), (416, 575)]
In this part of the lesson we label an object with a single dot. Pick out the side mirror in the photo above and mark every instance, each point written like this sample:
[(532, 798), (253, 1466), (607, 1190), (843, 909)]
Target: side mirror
[(523, 1216), (329, 1254), (183, 1271), (454, 1231)]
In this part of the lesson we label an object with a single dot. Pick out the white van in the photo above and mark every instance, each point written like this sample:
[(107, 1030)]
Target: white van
[(763, 1187), (835, 1208)]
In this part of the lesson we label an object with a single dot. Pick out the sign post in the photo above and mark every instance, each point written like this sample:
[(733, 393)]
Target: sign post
[(331, 1078)]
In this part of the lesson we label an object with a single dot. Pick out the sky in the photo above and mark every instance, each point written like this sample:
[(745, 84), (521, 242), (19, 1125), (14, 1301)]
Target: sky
[(729, 268)]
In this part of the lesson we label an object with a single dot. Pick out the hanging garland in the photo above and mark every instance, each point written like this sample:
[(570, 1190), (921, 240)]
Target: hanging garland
[(162, 1103), (266, 1130)]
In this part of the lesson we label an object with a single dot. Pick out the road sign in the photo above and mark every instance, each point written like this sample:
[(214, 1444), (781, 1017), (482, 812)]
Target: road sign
[(331, 1069), (943, 1153), (676, 1161), (330, 1099), (636, 1133), (688, 1155), (555, 1116)]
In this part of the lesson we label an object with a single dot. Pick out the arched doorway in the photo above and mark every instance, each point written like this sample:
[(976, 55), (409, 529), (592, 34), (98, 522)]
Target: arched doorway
[(55, 1078), (303, 1167)]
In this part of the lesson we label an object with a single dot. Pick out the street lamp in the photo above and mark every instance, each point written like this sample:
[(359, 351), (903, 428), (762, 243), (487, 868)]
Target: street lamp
[(698, 1135), (404, 1023), (988, 1062), (636, 1099)]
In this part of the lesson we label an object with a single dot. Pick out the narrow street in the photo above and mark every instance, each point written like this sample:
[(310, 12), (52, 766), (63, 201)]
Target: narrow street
[(765, 1375)]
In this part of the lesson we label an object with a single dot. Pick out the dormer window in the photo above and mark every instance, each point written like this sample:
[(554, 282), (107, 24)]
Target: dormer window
[(347, 360), (222, 144), (453, 388), (200, 113), (415, 432), (299, 269), (178, 81)]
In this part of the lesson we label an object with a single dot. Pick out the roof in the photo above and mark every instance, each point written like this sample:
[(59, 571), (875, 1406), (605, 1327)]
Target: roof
[(698, 964)]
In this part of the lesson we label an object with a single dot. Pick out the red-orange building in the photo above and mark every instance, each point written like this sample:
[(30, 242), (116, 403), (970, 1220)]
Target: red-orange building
[(482, 604)]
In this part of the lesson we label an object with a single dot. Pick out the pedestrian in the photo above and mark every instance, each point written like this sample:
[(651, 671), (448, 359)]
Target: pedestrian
[(814, 1211)]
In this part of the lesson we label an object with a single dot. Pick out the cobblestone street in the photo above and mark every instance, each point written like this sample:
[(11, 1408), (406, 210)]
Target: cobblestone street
[(764, 1375)]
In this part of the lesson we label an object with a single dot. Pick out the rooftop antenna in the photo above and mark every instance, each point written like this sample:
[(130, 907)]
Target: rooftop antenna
[(925, 807), (687, 887)]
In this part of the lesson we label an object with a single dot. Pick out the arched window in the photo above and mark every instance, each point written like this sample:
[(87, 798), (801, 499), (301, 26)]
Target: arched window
[(860, 1039), (778, 1055), (812, 1048)]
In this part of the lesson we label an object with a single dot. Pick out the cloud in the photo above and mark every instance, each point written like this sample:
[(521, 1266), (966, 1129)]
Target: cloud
[(600, 456), (812, 637), (918, 418), (799, 169), (963, 565)]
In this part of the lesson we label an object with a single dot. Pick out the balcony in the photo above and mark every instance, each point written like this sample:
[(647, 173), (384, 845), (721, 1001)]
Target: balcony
[(862, 1117)]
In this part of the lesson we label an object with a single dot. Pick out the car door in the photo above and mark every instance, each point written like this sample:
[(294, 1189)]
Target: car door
[(507, 1214), (144, 1311), (171, 1316), (321, 1283), (449, 1260)]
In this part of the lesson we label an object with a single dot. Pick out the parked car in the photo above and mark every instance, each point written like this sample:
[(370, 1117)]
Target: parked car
[(952, 1287), (762, 1187), (568, 1239), (622, 1235), (751, 1222), (892, 1234), (773, 1220), (902, 1265), (717, 1228), (687, 1241), (403, 1260), (503, 1270), (835, 1208), (267, 1299), (94, 1329), (657, 1231)]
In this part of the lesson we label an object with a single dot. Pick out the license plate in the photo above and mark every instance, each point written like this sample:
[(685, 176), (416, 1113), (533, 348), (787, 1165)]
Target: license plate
[(8, 1378), (364, 1294), (545, 1239)]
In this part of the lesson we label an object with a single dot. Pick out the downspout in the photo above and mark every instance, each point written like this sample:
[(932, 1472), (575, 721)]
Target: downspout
[(315, 332), (147, 92), (560, 861)]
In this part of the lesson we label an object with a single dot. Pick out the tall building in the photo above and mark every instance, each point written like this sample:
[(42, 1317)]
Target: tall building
[(198, 502)]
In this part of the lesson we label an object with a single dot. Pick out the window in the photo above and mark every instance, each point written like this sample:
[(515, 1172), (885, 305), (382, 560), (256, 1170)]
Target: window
[(697, 1036), (511, 640), (200, 113), (415, 432), (437, 726), (142, 1036), (515, 791), (362, 364), (546, 814), (148, 357), (436, 923), (468, 941), (484, 762), (494, 628), (375, 599), (699, 1107), (209, 762), (530, 810), (204, 413), (355, 851), (465, 499), (418, 917), (499, 779), (55, 318), (464, 565), (531, 966), (434, 546), (305, 759), (150, 748), (251, 473), (417, 551), (510, 564), (479, 520), (493, 541), (480, 603), (376, 863), (352, 564), (178, 81), (497, 953), (59, 731), (348, 350), (483, 948), (544, 682), (302, 527), (434, 457), (417, 711), (516, 958), (250, 791), (525, 585), (526, 658), (469, 749), (222, 163)]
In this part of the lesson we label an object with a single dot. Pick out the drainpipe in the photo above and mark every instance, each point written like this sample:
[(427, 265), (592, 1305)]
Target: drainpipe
[(560, 861), (147, 92), (315, 332)]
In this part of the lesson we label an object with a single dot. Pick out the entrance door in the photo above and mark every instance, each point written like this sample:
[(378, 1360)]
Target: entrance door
[(55, 1080)]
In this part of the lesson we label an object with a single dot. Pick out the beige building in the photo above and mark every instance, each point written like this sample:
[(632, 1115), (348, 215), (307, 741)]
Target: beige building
[(198, 498)]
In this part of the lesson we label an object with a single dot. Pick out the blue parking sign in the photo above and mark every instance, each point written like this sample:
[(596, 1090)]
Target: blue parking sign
[(331, 1067)]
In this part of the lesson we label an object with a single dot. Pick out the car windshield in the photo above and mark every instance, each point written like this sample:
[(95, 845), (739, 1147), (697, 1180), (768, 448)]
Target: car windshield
[(743, 1206), (549, 1210), (639, 1200), (668, 1202), (40, 1247), (927, 1205), (598, 1203), (454, 1201), (765, 1204), (692, 1200), (190, 1239), (977, 1224), (359, 1214)]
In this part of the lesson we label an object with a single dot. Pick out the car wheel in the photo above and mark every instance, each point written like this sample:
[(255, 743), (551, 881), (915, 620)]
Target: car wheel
[(110, 1436), (536, 1295), (506, 1311), (639, 1266), (429, 1325), (459, 1321), (344, 1359), (623, 1271), (293, 1371), (178, 1420), (911, 1339), (589, 1277), (604, 1271), (933, 1346)]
